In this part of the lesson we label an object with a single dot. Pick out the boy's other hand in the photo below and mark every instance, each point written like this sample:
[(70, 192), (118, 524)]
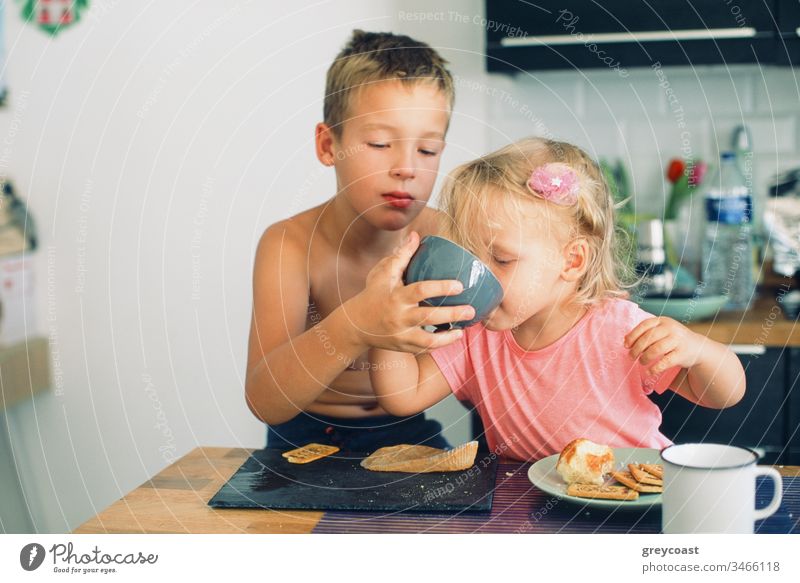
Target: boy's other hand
[(387, 313), (662, 343)]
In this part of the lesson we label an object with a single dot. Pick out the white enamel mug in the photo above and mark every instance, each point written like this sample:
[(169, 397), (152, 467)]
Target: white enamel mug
[(711, 488)]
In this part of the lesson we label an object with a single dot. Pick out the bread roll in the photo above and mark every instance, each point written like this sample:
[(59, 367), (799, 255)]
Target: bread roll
[(584, 462)]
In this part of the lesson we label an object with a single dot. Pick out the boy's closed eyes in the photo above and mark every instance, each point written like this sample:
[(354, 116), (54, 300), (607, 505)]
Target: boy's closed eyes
[(385, 137), (429, 151)]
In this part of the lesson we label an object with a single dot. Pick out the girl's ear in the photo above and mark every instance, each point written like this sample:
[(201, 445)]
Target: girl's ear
[(323, 140), (576, 259)]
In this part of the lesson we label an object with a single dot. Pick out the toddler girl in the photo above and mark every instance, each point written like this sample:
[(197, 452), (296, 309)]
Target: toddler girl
[(565, 355)]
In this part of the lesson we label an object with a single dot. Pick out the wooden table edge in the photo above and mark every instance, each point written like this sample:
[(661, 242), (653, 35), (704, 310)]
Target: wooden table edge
[(252, 521), (217, 520)]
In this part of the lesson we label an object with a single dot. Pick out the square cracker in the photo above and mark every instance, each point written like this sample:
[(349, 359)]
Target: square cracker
[(603, 492), (644, 477), (655, 469), (309, 453), (628, 480)]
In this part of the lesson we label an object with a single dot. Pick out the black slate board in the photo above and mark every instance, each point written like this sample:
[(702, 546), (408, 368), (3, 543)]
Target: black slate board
[(338, 482)]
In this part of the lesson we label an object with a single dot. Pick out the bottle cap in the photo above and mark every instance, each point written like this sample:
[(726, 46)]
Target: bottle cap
[(742, 141)]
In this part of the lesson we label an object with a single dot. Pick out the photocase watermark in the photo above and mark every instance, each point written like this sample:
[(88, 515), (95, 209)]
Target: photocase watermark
[(450, 487), (329, 348), (737, 13), (675, 107), (568, 20), (739, 259), (455, 17), (168, 449), (322, 334), (32, 556), (698, 292), (197, 236), (312, 178), (468, 476), (82, 236), (537, 515), (96, 560), (66, 560), (504, 97), (772, 316), (52, 323), (674, 104)]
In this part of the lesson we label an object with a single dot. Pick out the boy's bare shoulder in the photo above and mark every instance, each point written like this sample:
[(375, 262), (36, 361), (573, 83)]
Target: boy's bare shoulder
[(289, 237)]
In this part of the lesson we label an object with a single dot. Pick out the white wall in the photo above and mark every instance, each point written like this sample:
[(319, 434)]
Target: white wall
[(153, 143)]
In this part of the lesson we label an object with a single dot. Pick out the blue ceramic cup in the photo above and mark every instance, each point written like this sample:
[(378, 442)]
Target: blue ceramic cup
[(438, 258)]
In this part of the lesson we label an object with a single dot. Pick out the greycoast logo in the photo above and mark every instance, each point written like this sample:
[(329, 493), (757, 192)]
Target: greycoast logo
[(31, 556), (65, 560)]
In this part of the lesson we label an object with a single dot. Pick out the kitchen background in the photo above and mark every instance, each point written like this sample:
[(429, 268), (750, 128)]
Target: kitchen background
[(153, 143)]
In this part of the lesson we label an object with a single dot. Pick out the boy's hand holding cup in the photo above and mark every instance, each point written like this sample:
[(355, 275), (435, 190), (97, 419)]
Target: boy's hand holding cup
[(388, 314)]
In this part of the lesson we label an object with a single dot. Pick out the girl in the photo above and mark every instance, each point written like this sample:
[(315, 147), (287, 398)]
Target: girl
[(565, 355)]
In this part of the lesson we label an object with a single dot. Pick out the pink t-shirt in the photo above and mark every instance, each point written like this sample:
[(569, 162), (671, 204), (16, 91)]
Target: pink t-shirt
[(585, 384)]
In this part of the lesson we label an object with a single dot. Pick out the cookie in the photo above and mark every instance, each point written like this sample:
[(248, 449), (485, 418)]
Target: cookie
[(644, 477), (628, 480), (603, 492), (309, 453), (656, 469)]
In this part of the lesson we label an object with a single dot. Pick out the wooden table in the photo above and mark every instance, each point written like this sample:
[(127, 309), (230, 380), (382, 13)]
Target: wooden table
[(175, 500)]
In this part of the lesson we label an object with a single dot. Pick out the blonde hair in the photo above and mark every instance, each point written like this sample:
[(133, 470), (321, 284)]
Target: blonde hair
[(370, 57), (466, 197)]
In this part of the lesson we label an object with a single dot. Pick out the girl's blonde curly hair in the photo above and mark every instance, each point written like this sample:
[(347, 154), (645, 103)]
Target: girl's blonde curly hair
[(466, 198)]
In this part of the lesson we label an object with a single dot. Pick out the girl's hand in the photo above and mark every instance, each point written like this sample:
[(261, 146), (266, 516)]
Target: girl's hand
[(662, 343), (387, 313)]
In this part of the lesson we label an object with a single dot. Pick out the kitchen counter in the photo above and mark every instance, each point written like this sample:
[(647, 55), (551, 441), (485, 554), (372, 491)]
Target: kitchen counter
[(175, 501), (762, 325)]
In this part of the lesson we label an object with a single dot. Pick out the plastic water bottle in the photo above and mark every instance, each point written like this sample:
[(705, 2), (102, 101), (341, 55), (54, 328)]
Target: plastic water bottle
[(742, 145), (727, 266)]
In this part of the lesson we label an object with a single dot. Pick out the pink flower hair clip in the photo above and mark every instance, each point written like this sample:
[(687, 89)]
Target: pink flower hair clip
[(555, 182)]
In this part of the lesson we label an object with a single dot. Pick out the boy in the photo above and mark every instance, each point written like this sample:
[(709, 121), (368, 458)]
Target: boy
[(387, 107)]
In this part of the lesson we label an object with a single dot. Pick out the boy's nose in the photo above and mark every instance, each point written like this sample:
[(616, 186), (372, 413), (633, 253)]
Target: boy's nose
[(403, 172), (403, 163)]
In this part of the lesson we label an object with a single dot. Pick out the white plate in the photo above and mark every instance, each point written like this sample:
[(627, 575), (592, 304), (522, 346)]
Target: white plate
[(544, 476)]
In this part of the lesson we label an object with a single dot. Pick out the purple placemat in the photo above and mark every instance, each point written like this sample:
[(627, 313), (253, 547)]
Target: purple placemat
[(520, 507)]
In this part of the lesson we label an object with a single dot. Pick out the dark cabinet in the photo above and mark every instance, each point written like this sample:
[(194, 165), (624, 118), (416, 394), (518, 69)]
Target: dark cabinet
[(763, 420), (622, 34), (787, 43), (792, 411)]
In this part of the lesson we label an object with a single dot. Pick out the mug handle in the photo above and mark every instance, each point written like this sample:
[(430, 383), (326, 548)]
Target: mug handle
[(770, 508)]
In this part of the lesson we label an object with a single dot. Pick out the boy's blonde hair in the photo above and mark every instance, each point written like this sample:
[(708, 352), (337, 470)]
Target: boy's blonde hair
[(370, 57), (466, 197)]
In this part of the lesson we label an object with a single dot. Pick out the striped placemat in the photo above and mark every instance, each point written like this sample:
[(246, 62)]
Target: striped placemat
[(520, 507)]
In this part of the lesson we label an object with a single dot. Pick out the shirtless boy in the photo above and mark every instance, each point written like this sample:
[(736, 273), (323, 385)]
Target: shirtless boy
[(387, 106)]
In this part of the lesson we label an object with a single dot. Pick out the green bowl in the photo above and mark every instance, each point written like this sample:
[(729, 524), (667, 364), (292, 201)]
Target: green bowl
[(683, 309)]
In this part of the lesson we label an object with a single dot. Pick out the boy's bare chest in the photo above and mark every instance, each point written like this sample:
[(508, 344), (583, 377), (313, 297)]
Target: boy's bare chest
[(334, 282)]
